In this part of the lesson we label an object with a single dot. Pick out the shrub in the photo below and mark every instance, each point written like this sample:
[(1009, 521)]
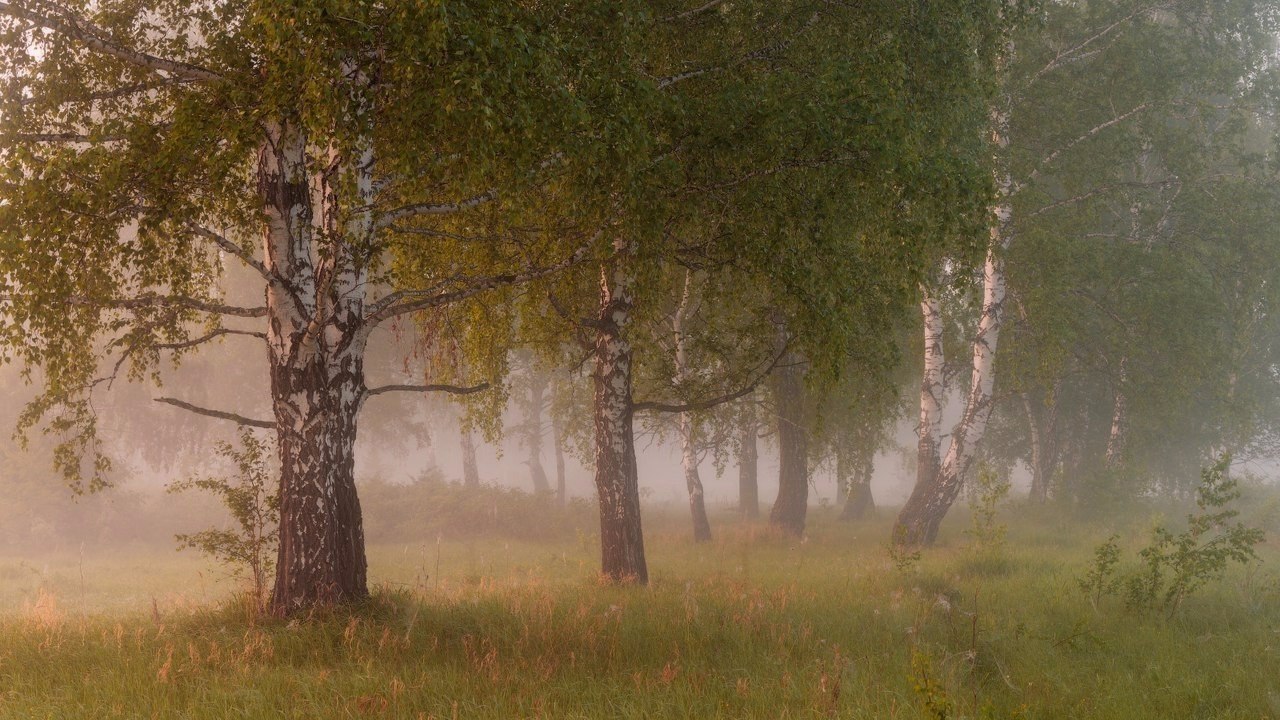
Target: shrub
[(1173, 566), (249, 547)]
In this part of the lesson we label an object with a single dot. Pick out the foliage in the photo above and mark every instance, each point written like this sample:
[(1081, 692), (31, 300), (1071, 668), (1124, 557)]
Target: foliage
[(1100, 578), (987, 491), (1174, 565), (250, 495)]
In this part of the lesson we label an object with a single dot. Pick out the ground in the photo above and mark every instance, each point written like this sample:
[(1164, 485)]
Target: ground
[(752, 625)]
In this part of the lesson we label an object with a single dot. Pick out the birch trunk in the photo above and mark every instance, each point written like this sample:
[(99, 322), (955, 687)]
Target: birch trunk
[(316, 351), (792, 505), (931, 498), (688, 448), (931, 392), (748, 468), (617, 482), (1119, 419)]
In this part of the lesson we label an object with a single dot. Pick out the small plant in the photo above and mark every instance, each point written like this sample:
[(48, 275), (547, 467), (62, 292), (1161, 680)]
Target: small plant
[(989, 490), (249, 547), (904, 555), (1173, 566), (1100, 580)]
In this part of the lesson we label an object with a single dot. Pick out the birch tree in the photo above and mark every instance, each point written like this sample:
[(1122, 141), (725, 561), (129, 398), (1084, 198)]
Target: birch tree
[(1087, 94), (144, 147)]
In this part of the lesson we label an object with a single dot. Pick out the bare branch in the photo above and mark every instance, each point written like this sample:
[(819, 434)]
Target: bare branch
[(762, 53), (452, 389), (1070, 54), (709, 403), (157, 301), (238, 419), (711, 4), (235, 249), (1053, 156), (208, 337), (66, 23), (417, 209), (61, 137), (409, 301)]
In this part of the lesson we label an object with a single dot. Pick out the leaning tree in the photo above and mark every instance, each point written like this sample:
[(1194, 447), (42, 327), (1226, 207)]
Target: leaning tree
[(145, 145)]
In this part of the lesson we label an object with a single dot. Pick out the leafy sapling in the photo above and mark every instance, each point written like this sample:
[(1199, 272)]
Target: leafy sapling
[(248, 547), (1174, 565)]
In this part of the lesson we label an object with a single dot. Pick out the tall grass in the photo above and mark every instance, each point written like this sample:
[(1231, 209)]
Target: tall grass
[(753, 625)]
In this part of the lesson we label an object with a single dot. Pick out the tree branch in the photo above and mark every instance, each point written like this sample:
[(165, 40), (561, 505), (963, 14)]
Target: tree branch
[(1051, 157), (158, 301), (240, 252), (417, 209), (206, 338), (238, 419), (711, 4), (451, 389), (408, 301), (709, 403), (68, 24)]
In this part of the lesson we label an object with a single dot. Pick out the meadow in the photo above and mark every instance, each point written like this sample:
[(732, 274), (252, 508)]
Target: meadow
[(751, 625)]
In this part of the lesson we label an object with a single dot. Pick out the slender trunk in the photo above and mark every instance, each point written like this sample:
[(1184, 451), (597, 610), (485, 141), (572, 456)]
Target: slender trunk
[(790, 508), (748, 467), (842, 479), (316, 352), (688, 448), (470, 469), (533, 438), (931, 392), (617, 481), (860, 502), (562, 498), (930, 500), (1039, 491), (1119, 419)]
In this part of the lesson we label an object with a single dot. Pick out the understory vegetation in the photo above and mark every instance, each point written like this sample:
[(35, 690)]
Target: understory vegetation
[(754, 624)]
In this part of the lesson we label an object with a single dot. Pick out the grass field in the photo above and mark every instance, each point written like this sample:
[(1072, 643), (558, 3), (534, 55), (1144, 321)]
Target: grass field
[(752, 625)]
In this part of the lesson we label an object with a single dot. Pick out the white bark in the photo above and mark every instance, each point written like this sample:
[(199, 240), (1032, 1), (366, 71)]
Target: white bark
[(931, 389)]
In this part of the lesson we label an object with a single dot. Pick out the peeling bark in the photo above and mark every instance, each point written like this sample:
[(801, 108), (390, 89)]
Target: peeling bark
[(316, 352), (931, 392), (617, 481)]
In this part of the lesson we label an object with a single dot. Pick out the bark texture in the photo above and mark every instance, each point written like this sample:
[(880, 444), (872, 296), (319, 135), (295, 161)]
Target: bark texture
[(617, 482), (316, 351), (792, 505)]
